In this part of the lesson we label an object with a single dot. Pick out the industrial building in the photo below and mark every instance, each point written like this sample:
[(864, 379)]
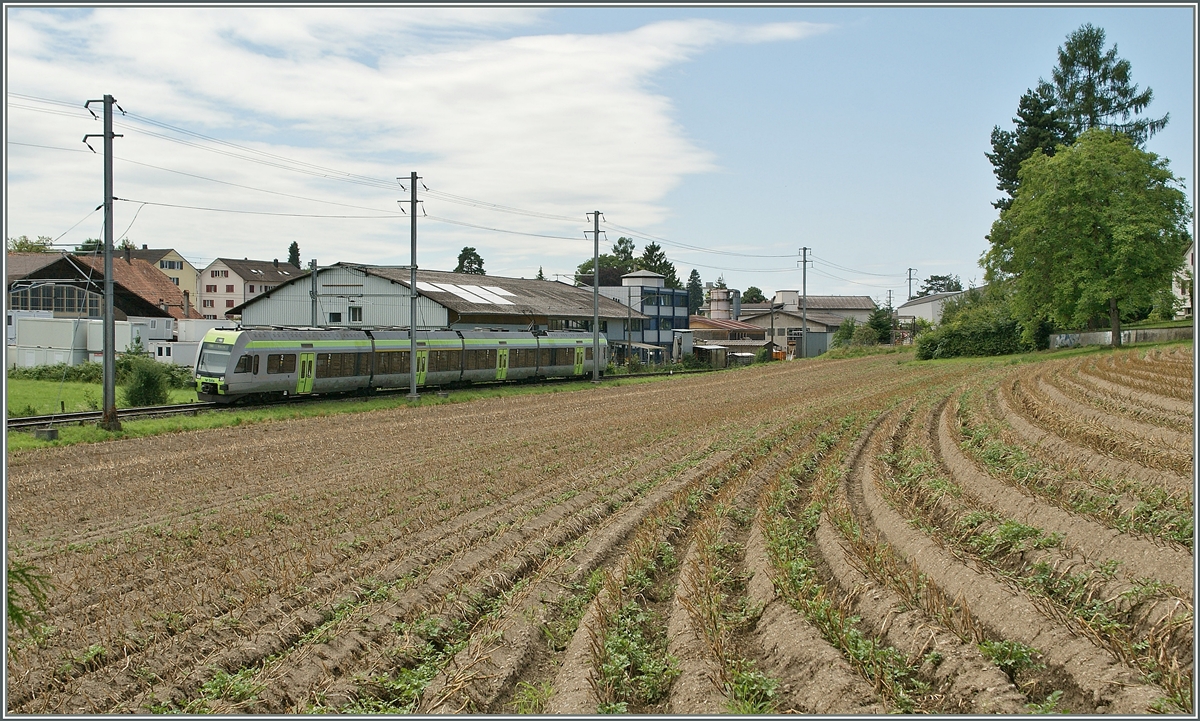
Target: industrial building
[(353, 295), (655, 314)]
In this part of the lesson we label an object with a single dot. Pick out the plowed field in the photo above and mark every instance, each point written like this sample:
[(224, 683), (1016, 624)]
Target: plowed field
[(831, 536)]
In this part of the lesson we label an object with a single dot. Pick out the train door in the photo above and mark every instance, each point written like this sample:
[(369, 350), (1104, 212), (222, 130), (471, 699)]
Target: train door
[(304, 382), (502, 363), (579, 359), (422, 365)]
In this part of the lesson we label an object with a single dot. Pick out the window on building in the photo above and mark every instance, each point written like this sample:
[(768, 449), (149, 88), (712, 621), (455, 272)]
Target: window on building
[(265, 288), (229, 303), (207, 303), (335, 317), (665, 324), (219, 273), (355, 314), (168, 351), (229, 289), (603, 326), (175, 281), (635, 325), (210, 317), (252, 288), (160, 351), (210, 289), (681, 300)]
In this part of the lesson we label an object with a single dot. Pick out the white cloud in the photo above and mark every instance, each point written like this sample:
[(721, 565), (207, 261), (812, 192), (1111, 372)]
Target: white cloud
[(561, 124)]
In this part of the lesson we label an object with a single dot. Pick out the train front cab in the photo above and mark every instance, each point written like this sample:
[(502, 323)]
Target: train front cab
[(213, 364)]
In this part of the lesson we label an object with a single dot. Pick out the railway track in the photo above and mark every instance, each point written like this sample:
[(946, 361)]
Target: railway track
[(81, 417), (28, 423)]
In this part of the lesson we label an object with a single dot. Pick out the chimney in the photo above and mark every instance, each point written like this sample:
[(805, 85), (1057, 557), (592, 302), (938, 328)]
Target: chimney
[(127, 259), (277, 265), (187, 305), (144, 247)]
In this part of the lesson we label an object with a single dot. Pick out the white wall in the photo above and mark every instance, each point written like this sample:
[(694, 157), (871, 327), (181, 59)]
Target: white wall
[(383, 303)]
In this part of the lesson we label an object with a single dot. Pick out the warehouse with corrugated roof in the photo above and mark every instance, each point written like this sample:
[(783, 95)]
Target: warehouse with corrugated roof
[(351, 295)]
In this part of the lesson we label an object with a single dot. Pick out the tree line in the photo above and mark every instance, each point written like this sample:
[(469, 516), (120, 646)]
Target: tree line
[(1092, 227)]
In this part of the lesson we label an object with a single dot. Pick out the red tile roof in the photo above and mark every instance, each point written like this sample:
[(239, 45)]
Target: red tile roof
[(145, 280)]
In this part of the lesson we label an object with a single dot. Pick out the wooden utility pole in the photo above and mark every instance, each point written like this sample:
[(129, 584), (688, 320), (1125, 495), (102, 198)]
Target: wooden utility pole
[(108, 420)]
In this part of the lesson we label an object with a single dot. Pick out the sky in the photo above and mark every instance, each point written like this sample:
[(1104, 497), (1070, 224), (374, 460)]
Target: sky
[(733, 137)]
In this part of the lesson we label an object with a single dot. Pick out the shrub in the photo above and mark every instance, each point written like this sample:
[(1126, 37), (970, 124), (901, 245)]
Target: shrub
[(976, 323), (844, 334), (147, 382), (864, 335)]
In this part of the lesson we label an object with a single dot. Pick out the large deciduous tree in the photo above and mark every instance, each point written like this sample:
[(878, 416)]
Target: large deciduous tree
[(939, 284), (469, 262), (1094, 89), (1099, 228), (42, 244), (753, 294)]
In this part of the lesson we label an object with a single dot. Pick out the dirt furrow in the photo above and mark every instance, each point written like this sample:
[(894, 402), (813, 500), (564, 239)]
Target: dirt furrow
[(1092, 680)]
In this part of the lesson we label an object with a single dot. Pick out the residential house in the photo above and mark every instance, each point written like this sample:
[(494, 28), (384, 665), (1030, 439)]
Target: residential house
[(227, 283), (1184, 285), (173, 265)]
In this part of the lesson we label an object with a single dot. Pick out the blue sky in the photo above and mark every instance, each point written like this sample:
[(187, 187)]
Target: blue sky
[(746, 133)]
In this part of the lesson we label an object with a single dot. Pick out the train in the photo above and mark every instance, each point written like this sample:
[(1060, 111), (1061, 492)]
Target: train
[(264, 364)]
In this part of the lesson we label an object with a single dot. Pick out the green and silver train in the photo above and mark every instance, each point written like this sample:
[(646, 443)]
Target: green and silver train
[(264, 364)]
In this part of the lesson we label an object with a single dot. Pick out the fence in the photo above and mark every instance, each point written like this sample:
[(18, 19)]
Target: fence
[(1137, 335)]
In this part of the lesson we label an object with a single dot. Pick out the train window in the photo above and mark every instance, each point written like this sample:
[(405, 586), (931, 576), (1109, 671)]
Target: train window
[(387, 362), (587, 353), (481, 359), (545, 357), (214, 357), (281, 363), (256, 365), (244, 364), (444, 361), (564, 356)]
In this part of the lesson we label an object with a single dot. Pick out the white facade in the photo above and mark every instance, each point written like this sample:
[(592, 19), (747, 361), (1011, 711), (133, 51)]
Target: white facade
[(928, 307), (193, 329), (1184, 283), (346, 297), (14, 314), (47, 341)]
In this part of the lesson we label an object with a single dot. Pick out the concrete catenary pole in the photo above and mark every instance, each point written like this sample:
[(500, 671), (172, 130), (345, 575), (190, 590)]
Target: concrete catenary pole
[(910, 280), (108, 420), (412, 301), (596, 297), (312, 271), (804, 302)]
